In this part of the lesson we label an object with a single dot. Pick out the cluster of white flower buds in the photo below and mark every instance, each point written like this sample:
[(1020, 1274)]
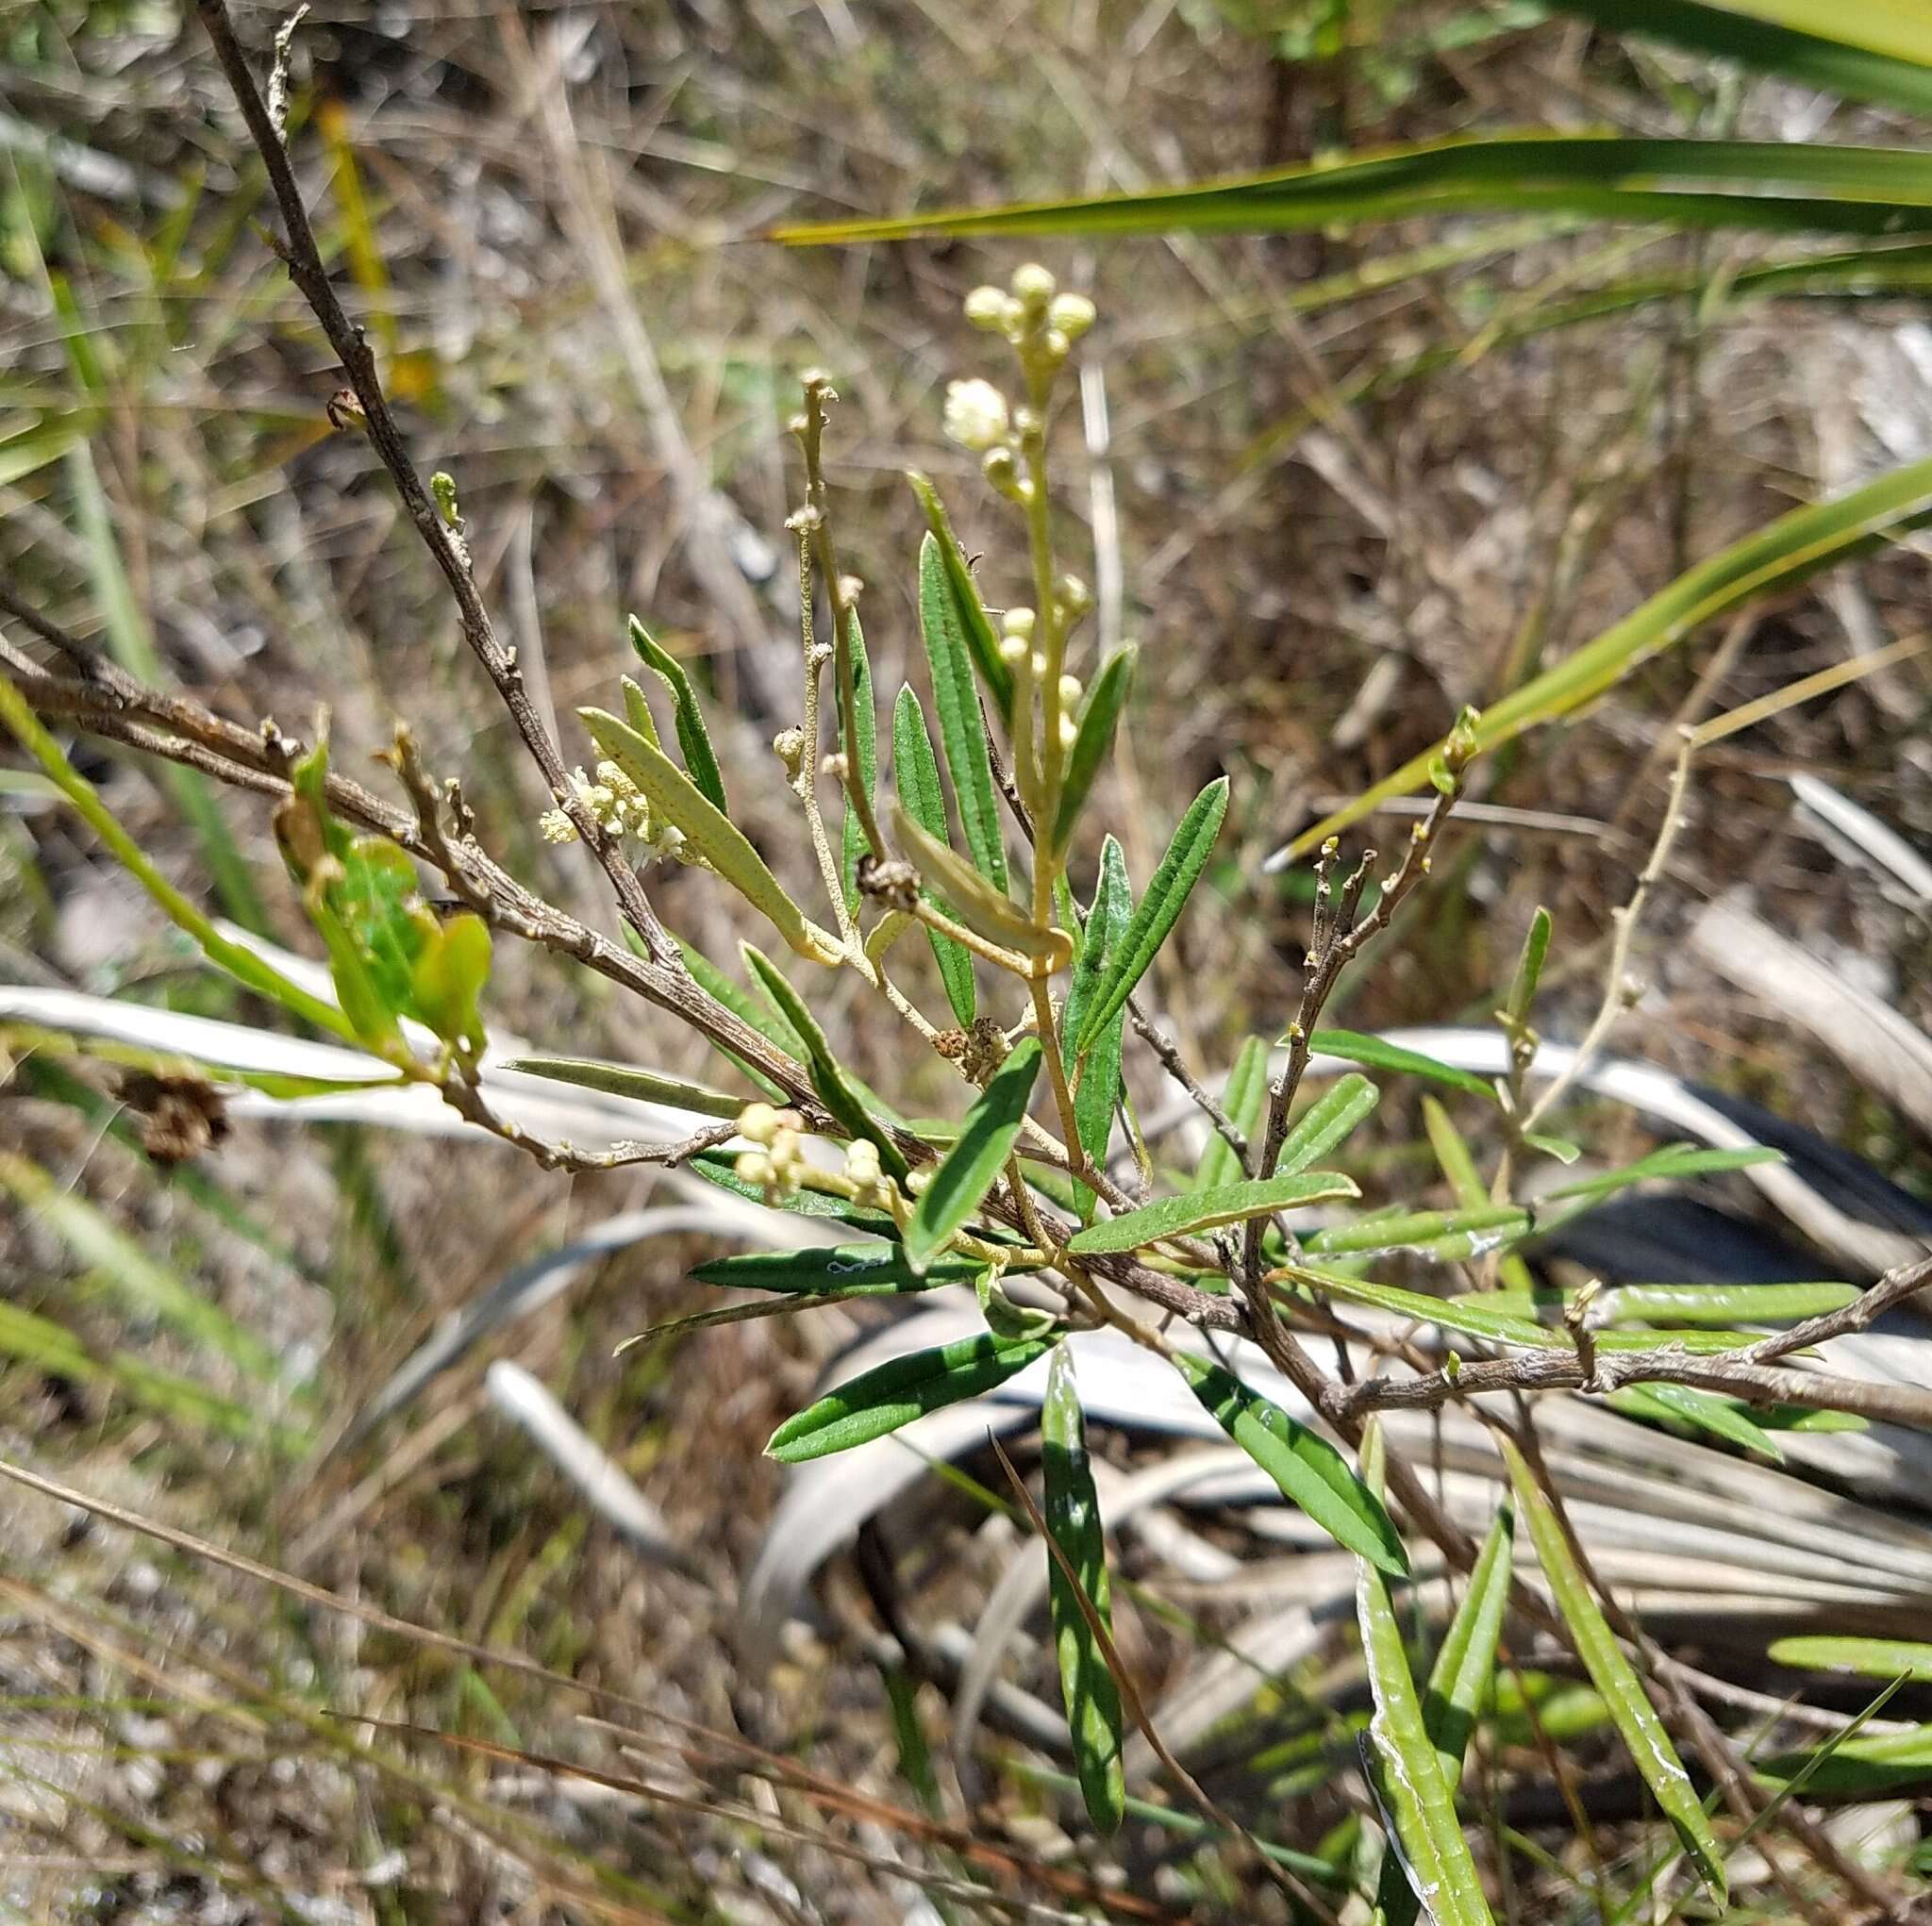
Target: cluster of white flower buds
[(615, 802), (1017, 650), (1042, 324), (778, 1168)]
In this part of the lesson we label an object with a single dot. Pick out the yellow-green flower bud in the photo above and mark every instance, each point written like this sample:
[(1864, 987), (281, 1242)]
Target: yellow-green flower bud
[(987, 307), (1034, 286), (1071, 315)]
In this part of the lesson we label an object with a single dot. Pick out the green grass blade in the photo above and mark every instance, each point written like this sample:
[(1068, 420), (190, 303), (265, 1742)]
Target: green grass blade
[(1201, 1210), (1099, 716), (1072, 1509), (1310, 1471), (1770, 186), (894, 1393), (1158, 912), (1418, 1800), (1786, 551), (1636, 1719), (1876, 53), (916, 770), (962, 733), (693, 738), (971, 1167)]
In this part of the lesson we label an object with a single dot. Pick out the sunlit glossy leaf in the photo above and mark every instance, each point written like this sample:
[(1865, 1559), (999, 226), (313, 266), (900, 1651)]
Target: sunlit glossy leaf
[(968, 611), (1355, 1046), (974, 1163), (674, 798), (894, 1393), (1636, 1719), (1697, 1410), (1201, 1210), (879, 1269), (1326, 1122), (1159, 910), (1310, 1471), (962, 733), (917, 772), (1072, 1509)]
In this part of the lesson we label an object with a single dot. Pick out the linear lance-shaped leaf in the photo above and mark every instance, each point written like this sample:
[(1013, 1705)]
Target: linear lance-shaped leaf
[(628, 1079), (1098, 1088), (974, 624), (894, 1393), (1100, 715), (823, 1269), (1242, 1097), (675, 799), (1201, 1210), (1325, 1122), (862, 733), (1072, 1509), (969, 1170), (829, 1078), (1158, 910), (693, 738), (917, 772), (1310, 1471), (1417, 1797), (962, 733), (1636, 1719)]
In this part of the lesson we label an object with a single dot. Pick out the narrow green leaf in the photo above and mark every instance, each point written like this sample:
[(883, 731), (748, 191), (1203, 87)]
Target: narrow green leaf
[(742, 1003), (1773, 186), (1243, 1098), (968, 609), (971, 1167), (1724, 1303), (1490, 1223), (962, 733), (1310, 1471), (1559, 1147), (637, 711), (917, 772), (1354, 1046), (880, 1270), (1418, 1800), (674, 798), (1642, 1731), (1097, 1089), (1100, 715), (974, 901), (1672, 1160), (1529, 968), (894, 1393), (628, 1079), (1458, 1166), (1879, 53), (1072, 1509), (1460, 1680), (1683, 1405), (693, 738), (837, 1090), (1200, 1210), (1788, 550), (1159, 910), (1866, 1766), (1326, 1122), (1863, 1658), (862, 733)]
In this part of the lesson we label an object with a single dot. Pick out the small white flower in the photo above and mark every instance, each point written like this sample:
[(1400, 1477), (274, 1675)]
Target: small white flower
[(987, 307), (1013, 650), (976, 415), (555, 826), (1070, 691), (758, 1122), (1018, 621), (1034, 285), (1072, 314), (862, 1165)]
